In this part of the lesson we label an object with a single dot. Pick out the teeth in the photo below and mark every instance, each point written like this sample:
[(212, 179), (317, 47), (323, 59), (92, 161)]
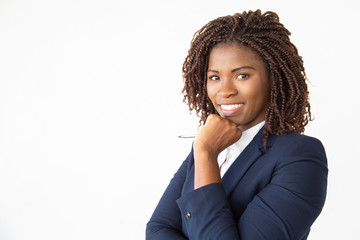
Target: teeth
[(230, 106)]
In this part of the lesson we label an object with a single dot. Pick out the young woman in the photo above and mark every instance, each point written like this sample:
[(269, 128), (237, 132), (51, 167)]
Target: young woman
[(251, 173)]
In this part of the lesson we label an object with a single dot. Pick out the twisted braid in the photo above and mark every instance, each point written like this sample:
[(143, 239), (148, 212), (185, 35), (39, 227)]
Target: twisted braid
[(289, 108)]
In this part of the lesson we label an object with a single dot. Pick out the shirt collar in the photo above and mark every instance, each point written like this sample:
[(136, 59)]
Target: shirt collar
[(247, 136)]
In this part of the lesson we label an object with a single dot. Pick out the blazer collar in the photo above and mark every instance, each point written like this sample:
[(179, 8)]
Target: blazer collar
[(249, 155)]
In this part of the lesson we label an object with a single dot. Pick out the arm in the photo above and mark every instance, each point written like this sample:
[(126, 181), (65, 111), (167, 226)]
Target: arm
[(165, 222), (284, 209)]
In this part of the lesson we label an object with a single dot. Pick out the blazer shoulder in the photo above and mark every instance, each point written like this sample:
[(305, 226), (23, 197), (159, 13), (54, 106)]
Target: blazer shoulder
[(300, 146), (289, 139)]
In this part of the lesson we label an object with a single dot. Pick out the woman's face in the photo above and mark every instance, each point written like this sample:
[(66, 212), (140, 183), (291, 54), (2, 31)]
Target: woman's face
[(238, 84)]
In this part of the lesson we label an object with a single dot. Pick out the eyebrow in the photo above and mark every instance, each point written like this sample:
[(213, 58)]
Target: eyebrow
[(234, 70)]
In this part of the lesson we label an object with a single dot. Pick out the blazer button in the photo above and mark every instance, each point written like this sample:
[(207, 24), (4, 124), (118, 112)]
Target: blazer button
[(188, 215)]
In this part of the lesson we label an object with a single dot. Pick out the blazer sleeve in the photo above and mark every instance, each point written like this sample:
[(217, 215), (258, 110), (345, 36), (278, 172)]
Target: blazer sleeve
[(165, 223), (284, 209)]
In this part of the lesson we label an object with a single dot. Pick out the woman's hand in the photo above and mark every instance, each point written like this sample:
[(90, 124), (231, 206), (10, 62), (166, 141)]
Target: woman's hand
[(216, 135)]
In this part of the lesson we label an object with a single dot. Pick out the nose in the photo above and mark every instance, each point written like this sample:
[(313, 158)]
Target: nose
[(227, 89)]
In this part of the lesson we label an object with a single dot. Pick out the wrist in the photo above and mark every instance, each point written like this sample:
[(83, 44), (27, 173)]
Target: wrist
[(204, 151), (206, 169), (203, 154)]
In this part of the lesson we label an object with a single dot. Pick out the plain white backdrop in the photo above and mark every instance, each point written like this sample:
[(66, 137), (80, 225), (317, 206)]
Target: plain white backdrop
[(91, 107)]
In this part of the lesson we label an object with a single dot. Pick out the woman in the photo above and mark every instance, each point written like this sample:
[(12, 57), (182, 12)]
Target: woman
[(251, 173)]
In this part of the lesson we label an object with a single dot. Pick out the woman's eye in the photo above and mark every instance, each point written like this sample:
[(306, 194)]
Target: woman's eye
[(214, 78), (242, 76)]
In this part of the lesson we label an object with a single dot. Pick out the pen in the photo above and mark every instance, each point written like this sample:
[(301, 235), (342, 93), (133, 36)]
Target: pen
[(187, 136)]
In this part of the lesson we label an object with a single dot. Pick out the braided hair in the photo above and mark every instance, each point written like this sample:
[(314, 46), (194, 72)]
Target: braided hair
[(289, 108)]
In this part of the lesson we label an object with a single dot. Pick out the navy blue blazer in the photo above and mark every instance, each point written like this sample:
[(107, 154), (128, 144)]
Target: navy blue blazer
[(275, 192)]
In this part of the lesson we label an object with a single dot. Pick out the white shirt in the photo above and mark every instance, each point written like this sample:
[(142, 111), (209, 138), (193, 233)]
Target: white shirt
[(232, 152)]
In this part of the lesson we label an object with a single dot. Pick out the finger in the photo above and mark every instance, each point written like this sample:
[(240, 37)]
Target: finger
[(213, 119)]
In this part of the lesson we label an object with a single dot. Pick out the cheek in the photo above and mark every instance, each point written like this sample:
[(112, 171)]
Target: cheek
[(250, 91), (263, 96), (211, 92), (257, 92)]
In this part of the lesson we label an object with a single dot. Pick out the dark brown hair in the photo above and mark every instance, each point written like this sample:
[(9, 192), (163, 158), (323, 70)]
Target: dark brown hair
[(289, 108)]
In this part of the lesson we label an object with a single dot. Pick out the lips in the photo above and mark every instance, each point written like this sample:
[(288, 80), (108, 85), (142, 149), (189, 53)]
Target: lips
[(228, 110)]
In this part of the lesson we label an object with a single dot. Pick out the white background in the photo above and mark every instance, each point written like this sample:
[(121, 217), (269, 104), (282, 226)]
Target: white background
[(90, 110)]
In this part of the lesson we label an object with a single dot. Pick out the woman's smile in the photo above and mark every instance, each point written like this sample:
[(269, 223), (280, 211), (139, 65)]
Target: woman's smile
[(228, 110)]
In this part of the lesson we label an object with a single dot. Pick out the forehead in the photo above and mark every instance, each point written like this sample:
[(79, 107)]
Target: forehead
[(233, 55)]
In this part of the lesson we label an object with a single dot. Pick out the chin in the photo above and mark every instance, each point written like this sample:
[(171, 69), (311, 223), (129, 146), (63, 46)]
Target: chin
[(236, 121)]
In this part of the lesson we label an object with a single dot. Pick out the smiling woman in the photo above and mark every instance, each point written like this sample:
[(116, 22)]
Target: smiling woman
[(251, 174)]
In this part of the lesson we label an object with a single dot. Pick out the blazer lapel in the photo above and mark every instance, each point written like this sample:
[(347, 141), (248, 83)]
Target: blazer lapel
[(249, 155)]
